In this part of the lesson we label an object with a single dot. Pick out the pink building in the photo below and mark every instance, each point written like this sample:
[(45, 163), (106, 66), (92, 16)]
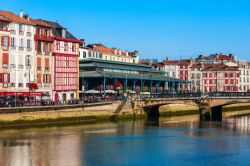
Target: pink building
[(220, 78)]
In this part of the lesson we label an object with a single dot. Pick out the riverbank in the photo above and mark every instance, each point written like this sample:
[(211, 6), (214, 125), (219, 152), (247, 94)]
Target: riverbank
[(99, 113), (85, 114)]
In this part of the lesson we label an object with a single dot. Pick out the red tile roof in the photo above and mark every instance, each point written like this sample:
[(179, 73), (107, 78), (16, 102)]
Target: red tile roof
[(13, 17), (219, 67), (4, 19)]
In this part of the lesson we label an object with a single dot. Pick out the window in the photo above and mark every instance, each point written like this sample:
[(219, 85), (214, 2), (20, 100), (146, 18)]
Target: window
[(57, 45), (73, 47), (84, 54), (28, 61), (28, 43), (12, 42), (21, 29), (65, 46), (39, 47), (46, 48), (21, 43), (4, 41)]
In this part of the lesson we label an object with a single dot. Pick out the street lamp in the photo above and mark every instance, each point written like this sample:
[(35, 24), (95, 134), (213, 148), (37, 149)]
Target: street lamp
[(25, 75)]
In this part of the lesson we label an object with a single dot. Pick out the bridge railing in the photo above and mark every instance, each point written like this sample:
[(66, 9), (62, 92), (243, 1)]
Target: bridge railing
[(198, 95)]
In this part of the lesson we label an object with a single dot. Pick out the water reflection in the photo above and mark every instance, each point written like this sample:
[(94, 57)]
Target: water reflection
[(133, 143)]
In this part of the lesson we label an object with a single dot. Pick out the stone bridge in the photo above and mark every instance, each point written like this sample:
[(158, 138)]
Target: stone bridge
[(210, 107)]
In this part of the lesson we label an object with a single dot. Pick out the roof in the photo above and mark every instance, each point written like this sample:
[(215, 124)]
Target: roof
[(177, 62), (112, 51), (219, 67), (150, 77), (40, 23), (4, 19), (57, 30), (15, 18), (109, 63)]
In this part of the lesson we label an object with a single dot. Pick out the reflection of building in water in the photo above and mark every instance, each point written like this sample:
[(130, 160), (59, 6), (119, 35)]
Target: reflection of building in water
[(241, 123), (45, 149)]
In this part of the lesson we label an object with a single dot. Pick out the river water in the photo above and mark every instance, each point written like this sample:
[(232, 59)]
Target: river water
[(166, 142)]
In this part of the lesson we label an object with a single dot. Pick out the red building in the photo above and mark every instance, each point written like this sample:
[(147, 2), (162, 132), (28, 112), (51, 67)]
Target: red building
[(65, 63)]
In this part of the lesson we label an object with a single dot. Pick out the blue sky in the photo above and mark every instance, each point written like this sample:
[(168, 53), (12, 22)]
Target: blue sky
[(158, 29)]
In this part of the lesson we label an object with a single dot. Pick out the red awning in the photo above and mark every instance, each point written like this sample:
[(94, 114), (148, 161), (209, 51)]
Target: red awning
[(21, 93)]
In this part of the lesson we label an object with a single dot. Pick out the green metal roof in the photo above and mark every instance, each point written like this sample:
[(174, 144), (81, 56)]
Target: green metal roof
[(148, 77), (115, 62)]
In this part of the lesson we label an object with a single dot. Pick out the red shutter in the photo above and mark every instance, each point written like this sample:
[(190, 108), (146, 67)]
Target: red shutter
[(8, 42), (5, 58), (39, 62), (1, 77), (39, 78), (49, 78), (44, 78), (47, 62), (36, 45)]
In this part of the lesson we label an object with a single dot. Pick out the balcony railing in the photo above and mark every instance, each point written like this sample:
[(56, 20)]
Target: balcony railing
[(13, 32), (21, 48), (43, 37), (29, 49), (12, 48), (28, 33)]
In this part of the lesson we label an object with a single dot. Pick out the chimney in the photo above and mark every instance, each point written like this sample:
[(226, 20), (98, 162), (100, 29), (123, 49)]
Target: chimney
[(120, 52), (63, 33), (126, 53), (21, 13), (115, 51)]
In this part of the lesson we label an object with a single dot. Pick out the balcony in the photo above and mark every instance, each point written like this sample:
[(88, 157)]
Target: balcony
[(43, 38), (13, 32), (29, 49), (12, 66), (5, 66), (21, 48), (12, 48), (21, 32), (20, 66), (28, 34)]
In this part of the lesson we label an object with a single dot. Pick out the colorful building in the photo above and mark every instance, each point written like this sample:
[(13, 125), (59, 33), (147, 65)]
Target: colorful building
[(43, 59), (65, 61)]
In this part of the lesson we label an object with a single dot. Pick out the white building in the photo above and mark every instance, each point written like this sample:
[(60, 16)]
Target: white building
[(244, 81), (22, 51), (99, 51)]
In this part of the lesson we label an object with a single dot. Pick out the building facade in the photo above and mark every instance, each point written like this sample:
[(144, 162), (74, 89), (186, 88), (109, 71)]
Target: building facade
[(99, 51), (65, 59), (244, 81), (21, 52)]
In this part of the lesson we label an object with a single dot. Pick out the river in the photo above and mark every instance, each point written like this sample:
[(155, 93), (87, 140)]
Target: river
[(168, 141)]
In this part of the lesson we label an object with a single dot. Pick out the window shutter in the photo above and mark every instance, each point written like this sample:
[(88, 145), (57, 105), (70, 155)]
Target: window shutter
[(1, 77), (39, 62), (47, 63), (36, 45), (8, 42), (49, 78), (5, 58), (44, 78)]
